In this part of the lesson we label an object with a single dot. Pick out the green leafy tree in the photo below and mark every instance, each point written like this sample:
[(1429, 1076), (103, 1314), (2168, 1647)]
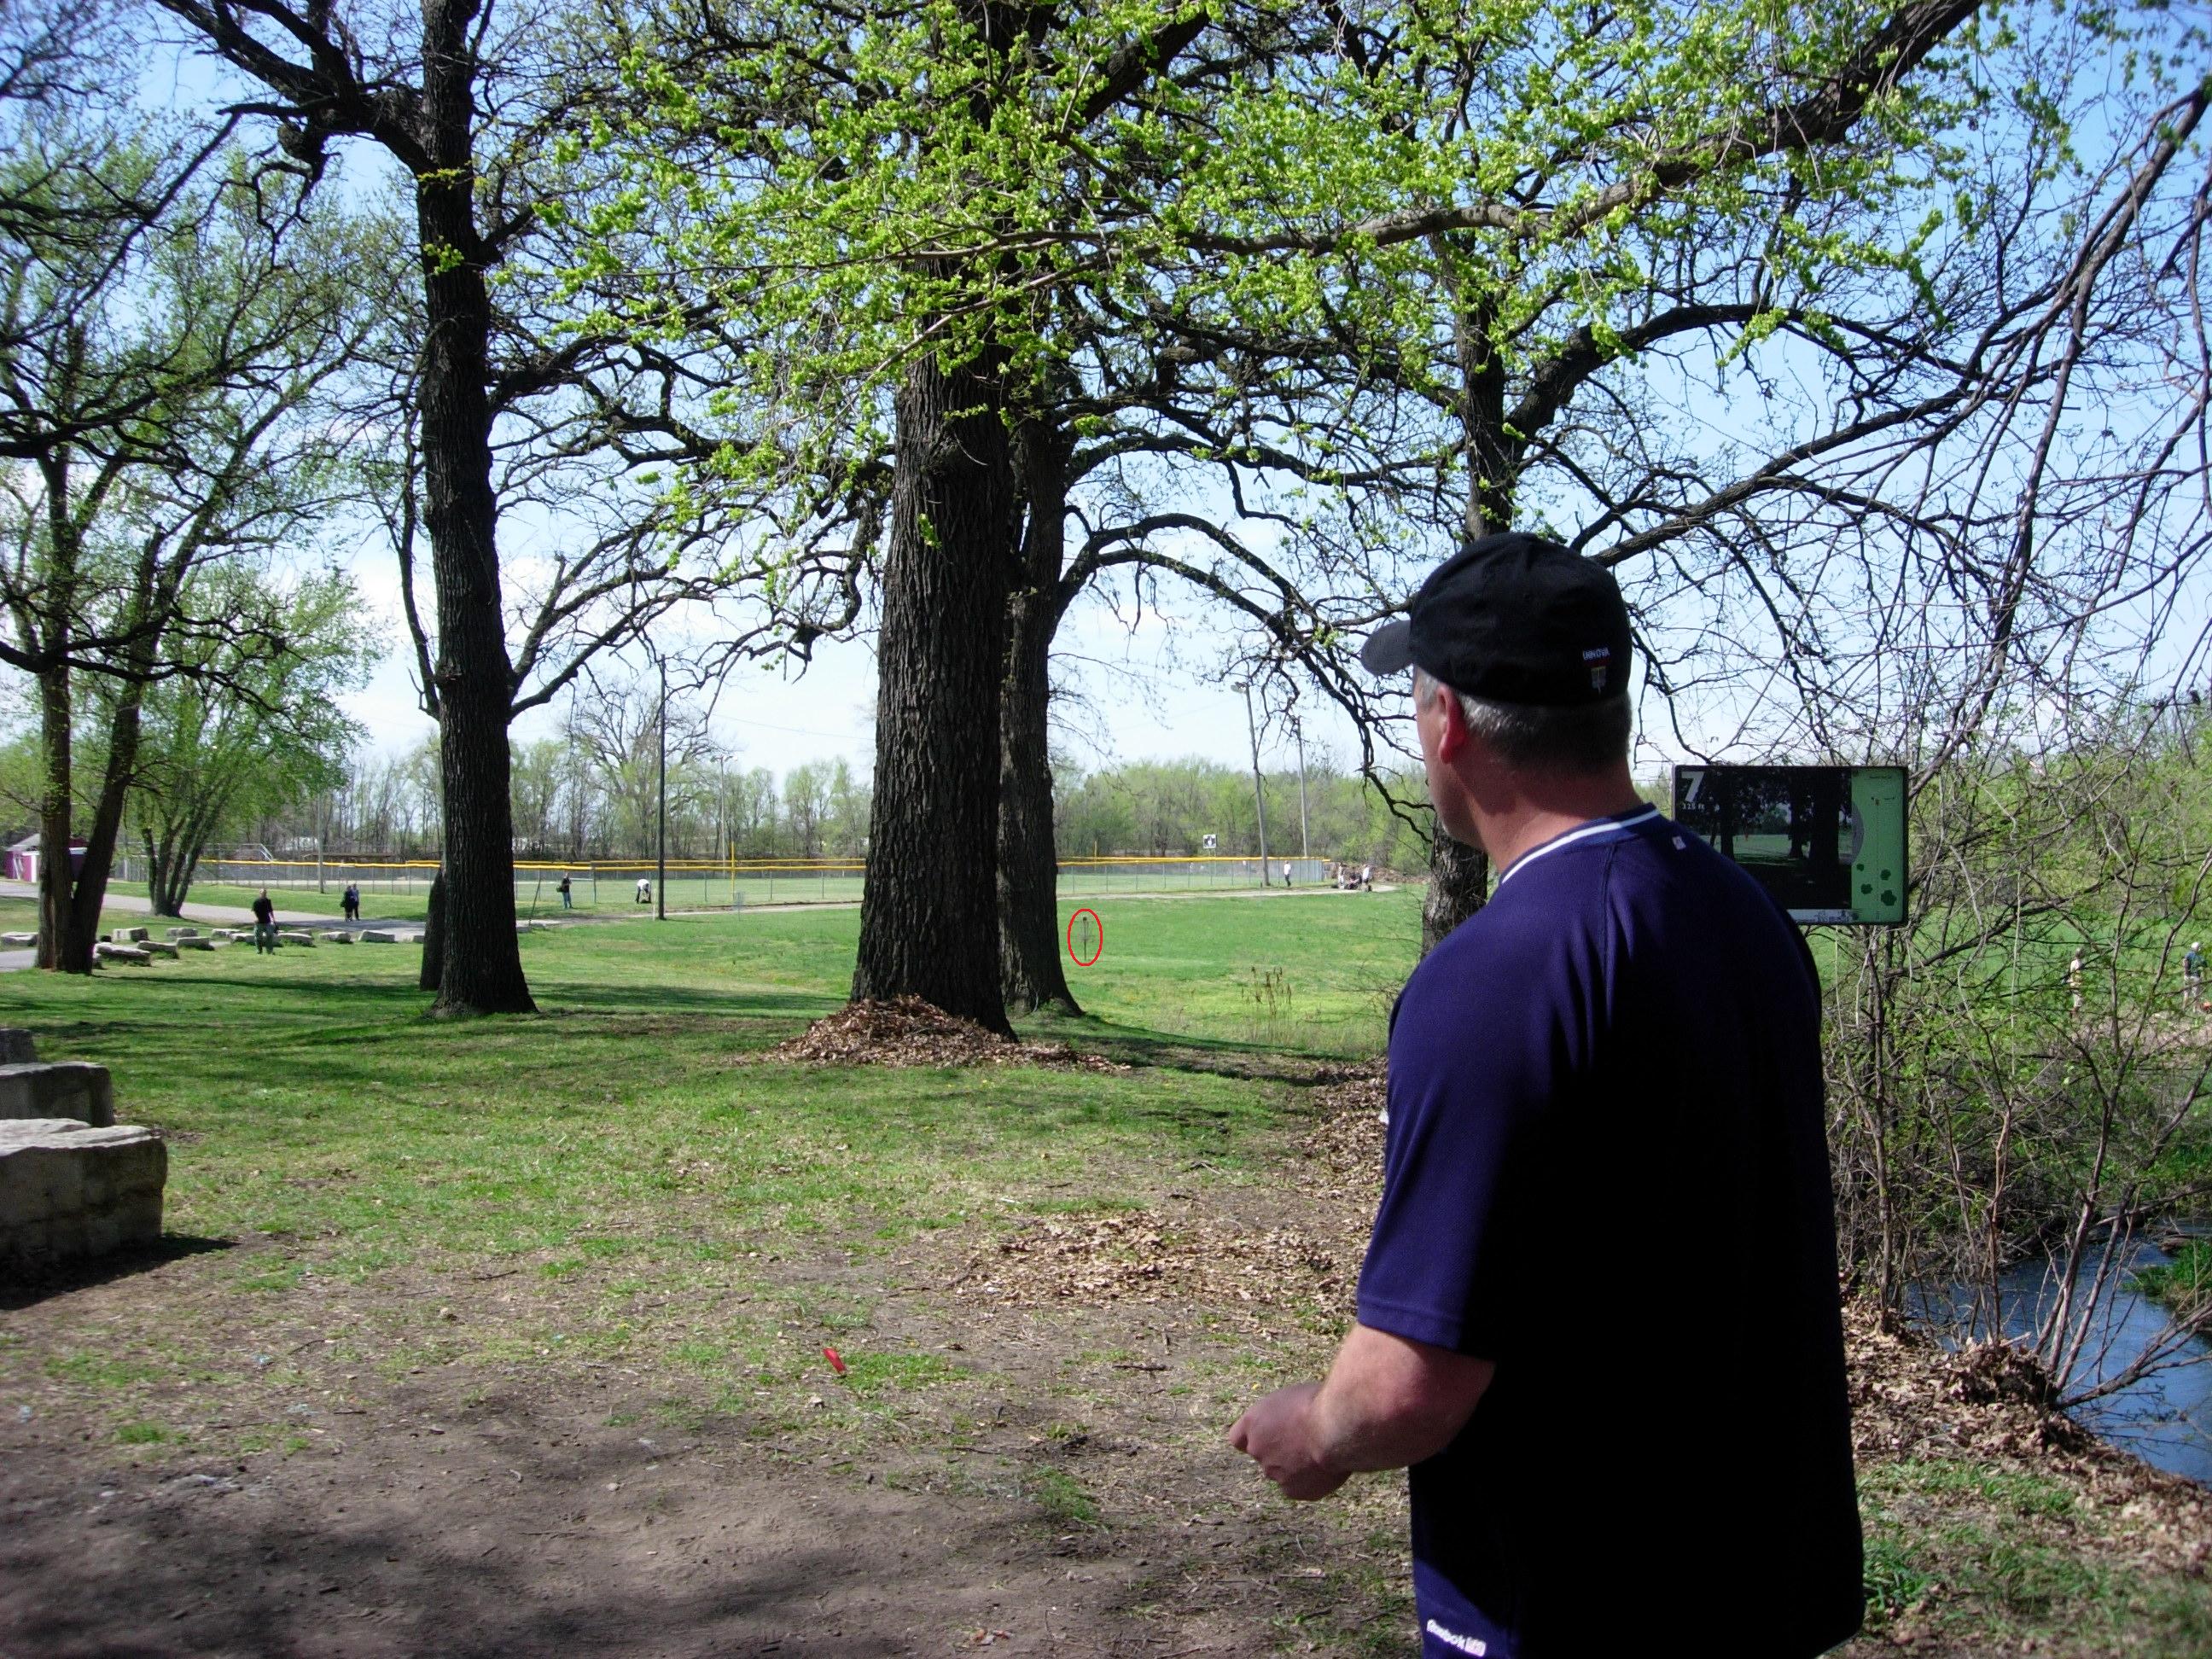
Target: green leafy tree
[(239, 736), (167, 360)]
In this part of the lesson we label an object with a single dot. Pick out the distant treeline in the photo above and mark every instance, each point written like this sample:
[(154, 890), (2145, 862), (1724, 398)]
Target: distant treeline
[(1168, 808), (573, 798)]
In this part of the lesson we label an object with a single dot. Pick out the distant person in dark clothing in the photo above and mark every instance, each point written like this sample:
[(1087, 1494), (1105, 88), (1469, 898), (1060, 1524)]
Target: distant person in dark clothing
[(567, 902), (351, 903), (264, 924)]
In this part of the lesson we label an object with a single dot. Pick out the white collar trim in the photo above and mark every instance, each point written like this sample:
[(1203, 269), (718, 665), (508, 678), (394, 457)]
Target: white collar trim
[(1596, 828)]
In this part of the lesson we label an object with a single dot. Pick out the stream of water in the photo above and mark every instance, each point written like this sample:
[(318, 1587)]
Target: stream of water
[(2164, 1418)]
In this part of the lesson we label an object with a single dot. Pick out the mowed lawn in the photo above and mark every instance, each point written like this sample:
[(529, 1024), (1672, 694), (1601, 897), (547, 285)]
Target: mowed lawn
[(577, 1272), (493, 1136)]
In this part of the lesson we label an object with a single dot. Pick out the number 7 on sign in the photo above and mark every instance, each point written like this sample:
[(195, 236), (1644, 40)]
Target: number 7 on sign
[(1086, 937)]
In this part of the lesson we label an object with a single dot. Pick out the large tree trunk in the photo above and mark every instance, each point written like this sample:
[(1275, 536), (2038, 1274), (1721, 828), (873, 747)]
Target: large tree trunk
[(1029, 862), (433, 935), (106, 829), (1030, 966), (929, 914), (54, 812), (1459, 876), (482, 972), (1459, 885)]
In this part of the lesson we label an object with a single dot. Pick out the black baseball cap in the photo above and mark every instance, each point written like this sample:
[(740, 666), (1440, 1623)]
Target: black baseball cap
[(1513, 618)]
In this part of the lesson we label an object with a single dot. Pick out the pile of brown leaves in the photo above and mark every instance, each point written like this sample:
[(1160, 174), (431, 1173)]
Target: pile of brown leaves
[(1348, 1141), (1092, 1261), (908, 1031), (1911, 1398)]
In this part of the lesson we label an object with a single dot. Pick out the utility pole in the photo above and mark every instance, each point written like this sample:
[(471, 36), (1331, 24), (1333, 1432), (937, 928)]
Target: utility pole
[(661, 887), (1298, 731), (1259, 795)]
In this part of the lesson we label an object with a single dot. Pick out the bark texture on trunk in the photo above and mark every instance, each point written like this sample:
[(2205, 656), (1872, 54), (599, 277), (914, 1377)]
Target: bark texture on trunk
[(1459, 885), (1031, 970), (55, 813), (929, 920), (481, 970), (1459, 877), (70, 895), (107, 828), (433, 935)]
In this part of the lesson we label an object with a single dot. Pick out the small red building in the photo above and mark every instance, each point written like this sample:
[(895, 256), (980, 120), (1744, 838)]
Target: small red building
[(23, 858)]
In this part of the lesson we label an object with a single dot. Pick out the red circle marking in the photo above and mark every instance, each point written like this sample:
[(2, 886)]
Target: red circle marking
[(1079, 961)]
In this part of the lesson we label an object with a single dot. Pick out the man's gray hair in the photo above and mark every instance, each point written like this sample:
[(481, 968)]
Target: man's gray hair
[(1585, 738)]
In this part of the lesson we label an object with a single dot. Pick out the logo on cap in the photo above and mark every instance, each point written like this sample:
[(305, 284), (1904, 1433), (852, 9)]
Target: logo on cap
[(1599, 656)]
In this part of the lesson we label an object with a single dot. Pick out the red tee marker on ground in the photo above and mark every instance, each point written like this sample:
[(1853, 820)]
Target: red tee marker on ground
[(835, 1364)]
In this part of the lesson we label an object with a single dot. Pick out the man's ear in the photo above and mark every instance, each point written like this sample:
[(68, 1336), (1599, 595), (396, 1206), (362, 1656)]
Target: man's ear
[(1452, 739)]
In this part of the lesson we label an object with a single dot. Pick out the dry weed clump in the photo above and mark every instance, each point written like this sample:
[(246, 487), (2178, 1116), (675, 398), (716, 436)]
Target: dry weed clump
[(1092, 1260), (908, 1031)]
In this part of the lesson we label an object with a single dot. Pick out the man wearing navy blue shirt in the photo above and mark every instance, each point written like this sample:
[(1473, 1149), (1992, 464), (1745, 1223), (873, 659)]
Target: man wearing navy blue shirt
[(1598, 1320)]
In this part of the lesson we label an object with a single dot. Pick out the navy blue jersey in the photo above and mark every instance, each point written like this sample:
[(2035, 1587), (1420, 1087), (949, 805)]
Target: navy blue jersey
[(1606, 1172)]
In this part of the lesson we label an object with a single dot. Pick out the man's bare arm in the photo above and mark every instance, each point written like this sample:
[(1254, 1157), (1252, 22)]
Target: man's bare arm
[(1387, 1402)]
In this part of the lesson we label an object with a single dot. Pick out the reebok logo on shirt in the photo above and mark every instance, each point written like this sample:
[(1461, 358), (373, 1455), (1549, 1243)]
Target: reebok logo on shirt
[(1452, 1639)]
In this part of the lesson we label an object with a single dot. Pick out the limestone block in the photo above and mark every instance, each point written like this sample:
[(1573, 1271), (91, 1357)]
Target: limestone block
[(378, 936), (221, 935), (182, 932), (126, 935), (158, 947), (129, 955), (339, 938), (195, 944), (292, 936), (17, 1046), (68, 1190), (57, 1089), (19, 940)]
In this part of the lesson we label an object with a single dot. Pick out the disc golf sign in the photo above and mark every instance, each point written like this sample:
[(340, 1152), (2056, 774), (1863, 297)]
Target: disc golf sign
[(1827, 841)]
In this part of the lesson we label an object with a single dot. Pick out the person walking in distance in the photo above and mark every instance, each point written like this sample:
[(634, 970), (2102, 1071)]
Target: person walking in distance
[(567, 901), (264, 924), (349, 902), (1630, 1028), (2192, 974)]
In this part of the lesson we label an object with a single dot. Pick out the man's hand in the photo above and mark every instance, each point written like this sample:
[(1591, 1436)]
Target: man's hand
[(1387, 1402), (1279, 1433)]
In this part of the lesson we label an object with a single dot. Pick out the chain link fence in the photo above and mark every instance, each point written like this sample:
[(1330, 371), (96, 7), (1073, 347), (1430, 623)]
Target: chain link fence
[(611, 886)]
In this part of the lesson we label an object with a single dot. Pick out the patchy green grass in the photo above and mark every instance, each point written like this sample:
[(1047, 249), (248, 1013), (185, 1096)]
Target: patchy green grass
[(2182, 1285), (1314, 972), (1971, 1557)]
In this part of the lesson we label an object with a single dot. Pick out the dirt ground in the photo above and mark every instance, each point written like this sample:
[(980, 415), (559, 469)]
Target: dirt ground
[(400, 1465), (1064, 1488)]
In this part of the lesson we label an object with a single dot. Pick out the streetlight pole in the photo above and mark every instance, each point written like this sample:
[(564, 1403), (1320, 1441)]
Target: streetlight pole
[(1259, 795), (660, 888)]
